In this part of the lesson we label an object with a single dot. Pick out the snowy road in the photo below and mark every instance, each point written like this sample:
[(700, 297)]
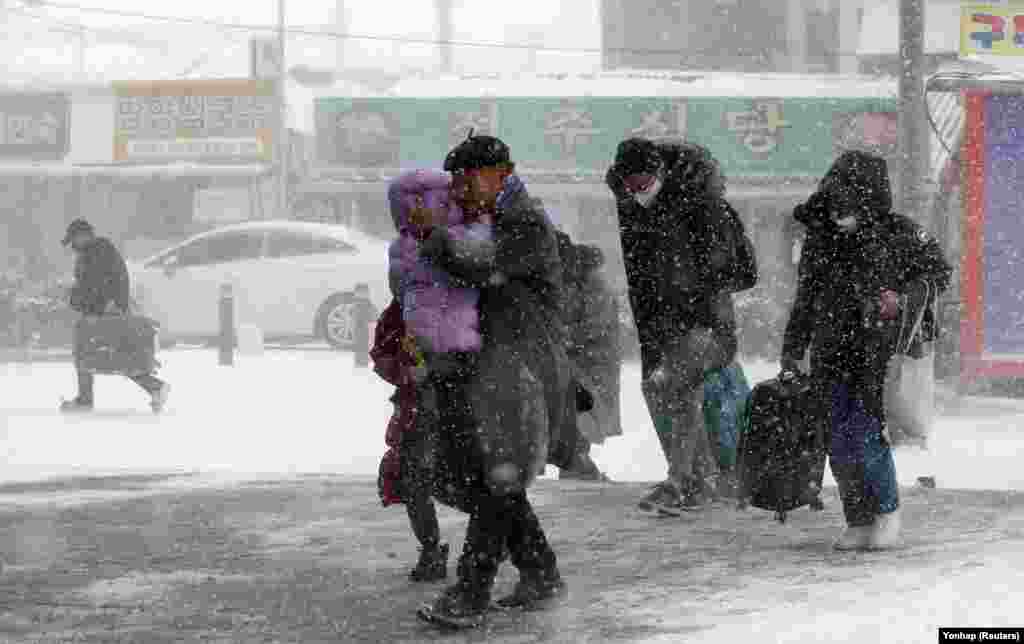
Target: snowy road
[(714, 580), (312, 411)]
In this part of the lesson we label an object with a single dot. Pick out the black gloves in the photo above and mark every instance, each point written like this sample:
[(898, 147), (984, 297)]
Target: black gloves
[(584, 399), (434, 246), (790, 366)]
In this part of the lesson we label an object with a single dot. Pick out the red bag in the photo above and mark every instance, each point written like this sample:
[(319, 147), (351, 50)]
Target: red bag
[(390, 361)]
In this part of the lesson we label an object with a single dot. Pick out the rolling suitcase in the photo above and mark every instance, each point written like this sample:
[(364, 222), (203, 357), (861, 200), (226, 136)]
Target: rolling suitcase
[(782, 448), (117, 344)]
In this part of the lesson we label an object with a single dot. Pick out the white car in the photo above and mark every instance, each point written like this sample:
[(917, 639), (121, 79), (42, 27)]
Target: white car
[(289, 279)]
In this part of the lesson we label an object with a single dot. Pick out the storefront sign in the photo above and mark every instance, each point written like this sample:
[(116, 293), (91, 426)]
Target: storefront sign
[(207, 120), (992, 28), (751, 138), (992, 332), (34, 126), (759, 128)]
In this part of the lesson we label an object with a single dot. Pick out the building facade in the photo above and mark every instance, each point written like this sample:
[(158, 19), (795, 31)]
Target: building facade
[(818, 36)]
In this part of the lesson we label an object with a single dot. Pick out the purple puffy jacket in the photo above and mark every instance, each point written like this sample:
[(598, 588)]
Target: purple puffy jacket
[(442, 318)]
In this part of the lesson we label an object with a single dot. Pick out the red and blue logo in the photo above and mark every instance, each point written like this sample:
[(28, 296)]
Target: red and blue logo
[(995, 32)]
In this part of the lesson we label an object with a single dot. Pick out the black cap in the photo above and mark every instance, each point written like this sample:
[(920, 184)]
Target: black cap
[(477, 152), (75, 227), (637, 156)]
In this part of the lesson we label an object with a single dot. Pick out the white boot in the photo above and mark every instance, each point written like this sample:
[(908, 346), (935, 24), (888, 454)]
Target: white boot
[(854, 538), (885, 533)]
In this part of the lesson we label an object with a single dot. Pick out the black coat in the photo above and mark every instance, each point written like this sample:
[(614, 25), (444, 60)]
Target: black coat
[(685, 254), (841, 276), (101, 279), (521, 398)]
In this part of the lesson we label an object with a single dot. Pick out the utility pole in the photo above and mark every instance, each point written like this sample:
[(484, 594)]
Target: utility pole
[(283, 139), (914, 152), (340, 27), (796, 34), (445, 34)]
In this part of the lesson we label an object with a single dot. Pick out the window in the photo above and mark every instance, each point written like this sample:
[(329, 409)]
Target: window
[(297, 244), (221, 249)]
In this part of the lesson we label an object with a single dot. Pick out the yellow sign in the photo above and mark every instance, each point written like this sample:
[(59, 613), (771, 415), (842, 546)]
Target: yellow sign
[(229, 120), (992, 28)]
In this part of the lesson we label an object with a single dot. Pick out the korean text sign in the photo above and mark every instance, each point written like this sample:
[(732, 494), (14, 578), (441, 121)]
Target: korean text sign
[(751, 137), (190, 120), (34, 126), (992, 28)]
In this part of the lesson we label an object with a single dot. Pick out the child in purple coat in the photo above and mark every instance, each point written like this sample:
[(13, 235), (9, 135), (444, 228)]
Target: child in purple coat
[(442, 318), (442, 324)]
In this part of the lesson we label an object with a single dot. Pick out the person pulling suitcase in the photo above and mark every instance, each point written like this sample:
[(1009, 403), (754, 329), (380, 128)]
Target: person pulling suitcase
[(102, 289)]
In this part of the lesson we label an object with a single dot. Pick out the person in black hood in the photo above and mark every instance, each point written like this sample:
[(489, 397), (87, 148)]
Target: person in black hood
[(862, 269), (102, 287), (686, 252)]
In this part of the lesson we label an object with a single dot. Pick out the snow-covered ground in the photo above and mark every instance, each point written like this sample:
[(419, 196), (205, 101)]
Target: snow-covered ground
[(293, 412), (314, 411)]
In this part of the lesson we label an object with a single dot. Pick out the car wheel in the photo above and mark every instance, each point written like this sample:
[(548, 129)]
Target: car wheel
[(337, 321)]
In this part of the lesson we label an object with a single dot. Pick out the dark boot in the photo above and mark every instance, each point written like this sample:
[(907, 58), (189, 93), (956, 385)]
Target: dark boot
[(432, 565), (584, 469), (76, 406), (535, 591), (460, 607)]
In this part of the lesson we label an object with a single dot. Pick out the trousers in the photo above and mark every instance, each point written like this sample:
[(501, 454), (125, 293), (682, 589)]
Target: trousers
[(674, 392), (860, 458)]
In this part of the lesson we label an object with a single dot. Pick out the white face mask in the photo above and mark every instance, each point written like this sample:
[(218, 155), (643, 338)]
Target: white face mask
[(646, 197), (847, 224)]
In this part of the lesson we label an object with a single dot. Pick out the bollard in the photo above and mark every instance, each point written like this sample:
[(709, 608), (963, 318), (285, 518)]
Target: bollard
[(226, 339), (363, 318)]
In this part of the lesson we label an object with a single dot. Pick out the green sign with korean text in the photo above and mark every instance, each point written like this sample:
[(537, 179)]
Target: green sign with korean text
[(778, 137)]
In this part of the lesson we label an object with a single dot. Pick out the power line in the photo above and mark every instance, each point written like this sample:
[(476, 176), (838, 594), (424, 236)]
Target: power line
[(77, 28), (368, 37)]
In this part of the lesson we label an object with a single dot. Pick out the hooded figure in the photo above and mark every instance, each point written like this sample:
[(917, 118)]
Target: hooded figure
[(595, 343), (861, 266), (686, 253)]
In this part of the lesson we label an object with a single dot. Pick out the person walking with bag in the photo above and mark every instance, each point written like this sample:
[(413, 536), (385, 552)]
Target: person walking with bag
[(863, 271), (102, 288), (686, 253)]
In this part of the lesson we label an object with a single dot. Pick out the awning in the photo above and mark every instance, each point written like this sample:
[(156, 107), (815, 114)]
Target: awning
[(170, 171)]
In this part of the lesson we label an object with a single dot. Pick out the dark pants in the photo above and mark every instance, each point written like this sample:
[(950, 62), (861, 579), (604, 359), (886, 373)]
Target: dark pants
[(497, 522), (86, 380), (149, 383), (417, 471), (860, 457)]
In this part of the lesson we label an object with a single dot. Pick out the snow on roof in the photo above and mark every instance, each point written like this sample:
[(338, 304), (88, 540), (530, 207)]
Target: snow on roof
[(879, 30), (648, 84)]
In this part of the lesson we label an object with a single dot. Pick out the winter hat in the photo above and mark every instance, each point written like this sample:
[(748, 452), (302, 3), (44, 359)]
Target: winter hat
[(424, 187), (477, 152), (637, 156), (862, 179), (76, 227)]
